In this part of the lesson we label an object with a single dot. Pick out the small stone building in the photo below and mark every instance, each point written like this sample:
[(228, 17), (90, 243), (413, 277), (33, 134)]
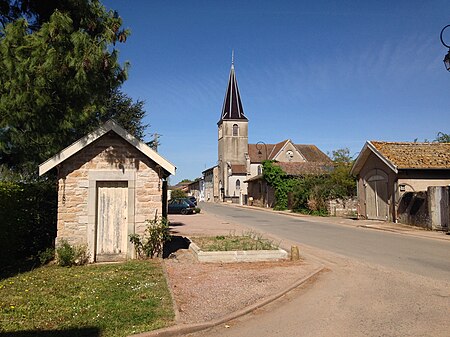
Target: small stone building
[(387, 170), (109, 184)]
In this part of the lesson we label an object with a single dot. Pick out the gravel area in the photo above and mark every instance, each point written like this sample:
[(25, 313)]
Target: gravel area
[(208, 291)]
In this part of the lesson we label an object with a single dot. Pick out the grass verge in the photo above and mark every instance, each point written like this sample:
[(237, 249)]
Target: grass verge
[(247, 241), (99, 300)]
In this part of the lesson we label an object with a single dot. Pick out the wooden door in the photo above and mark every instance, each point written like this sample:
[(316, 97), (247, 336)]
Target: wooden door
[(377, 197), (112, 227)]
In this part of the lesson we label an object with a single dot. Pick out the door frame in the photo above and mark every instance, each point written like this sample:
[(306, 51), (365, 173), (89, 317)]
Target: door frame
[(100, 176)]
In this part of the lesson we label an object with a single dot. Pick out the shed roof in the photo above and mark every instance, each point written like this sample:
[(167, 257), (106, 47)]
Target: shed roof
[(100, 132), (406, 155)]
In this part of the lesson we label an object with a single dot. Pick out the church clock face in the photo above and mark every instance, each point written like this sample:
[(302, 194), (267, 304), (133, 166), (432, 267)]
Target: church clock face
[(289, 155)]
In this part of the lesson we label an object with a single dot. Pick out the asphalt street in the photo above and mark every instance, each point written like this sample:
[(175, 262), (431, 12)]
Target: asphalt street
[(417, 255), (376, 283)]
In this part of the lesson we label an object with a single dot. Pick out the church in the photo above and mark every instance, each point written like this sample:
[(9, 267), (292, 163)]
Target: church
[(239, 162)]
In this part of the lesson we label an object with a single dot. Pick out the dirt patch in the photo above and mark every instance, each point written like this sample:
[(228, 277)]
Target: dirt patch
[(207, 291)]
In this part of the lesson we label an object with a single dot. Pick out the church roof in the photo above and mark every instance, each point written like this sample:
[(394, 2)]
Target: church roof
[(311, 153), (232, 105)]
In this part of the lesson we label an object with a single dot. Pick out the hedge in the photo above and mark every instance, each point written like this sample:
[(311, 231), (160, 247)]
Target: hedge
[(27, 219)]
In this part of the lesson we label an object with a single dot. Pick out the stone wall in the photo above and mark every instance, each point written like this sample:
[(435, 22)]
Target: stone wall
[(412, 209), (343, 207), (428, 209), (108, 158)]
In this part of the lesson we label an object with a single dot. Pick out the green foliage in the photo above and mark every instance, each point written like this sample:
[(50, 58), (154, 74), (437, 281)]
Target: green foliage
[(442, 137), (197, 210), (150, 244), (178, 193), (310, 192), (281, 183), (46, 256), (57, 72), (68, 255), (27, 219)]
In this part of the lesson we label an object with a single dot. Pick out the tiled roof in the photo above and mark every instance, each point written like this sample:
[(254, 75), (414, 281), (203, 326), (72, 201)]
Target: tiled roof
[(312, 153), (238, 169), (408, 155), (257, 152), (298, 169)]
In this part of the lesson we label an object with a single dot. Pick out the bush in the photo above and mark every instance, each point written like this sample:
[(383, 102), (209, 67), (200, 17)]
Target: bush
[(27, 219), (150, 244), (68, 255), (46, 256), (178, 193), (198, 210)]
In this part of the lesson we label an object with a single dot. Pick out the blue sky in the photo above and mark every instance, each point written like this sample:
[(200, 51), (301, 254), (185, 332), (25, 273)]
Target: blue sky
[(329, 73)]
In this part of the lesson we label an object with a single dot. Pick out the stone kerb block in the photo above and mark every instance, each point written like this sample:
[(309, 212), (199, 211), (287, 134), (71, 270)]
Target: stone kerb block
[(238, 255)]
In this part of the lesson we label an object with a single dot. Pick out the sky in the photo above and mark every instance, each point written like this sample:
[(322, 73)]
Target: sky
[(330, 73)]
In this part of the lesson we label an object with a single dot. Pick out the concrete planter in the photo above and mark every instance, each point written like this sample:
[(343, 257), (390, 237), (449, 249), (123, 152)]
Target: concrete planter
[(237, 255)]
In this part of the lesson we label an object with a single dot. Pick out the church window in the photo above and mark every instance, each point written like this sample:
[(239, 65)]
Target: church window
[(235, 129), (259, 169), (238, 184)]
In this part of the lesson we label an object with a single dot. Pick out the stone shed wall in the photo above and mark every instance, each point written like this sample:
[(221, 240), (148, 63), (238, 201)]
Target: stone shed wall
[(108, 158)]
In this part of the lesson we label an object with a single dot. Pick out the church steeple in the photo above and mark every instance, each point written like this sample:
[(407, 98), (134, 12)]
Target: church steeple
[(232, 105)]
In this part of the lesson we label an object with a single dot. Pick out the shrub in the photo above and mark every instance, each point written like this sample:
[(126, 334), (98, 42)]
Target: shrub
[(46, 256), (198, 210), (68, 255), (27, 219), (178, 193), (150, 244)]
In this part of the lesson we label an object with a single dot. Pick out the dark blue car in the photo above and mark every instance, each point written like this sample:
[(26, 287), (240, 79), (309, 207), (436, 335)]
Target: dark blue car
[(181, 206)]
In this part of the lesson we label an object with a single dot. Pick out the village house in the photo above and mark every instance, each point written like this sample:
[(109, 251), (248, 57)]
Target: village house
[(109, 184), (388, 171)]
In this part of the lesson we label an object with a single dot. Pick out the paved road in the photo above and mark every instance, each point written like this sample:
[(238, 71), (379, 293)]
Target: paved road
[(421, 256), (377, 283)]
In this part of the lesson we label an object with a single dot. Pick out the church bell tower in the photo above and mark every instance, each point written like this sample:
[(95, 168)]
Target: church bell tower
[(232, 134)]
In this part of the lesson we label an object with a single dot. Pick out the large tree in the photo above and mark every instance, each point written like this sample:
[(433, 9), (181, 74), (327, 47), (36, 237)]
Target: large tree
[(58, 72)]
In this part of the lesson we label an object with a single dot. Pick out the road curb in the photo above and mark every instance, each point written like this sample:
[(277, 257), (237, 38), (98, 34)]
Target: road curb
[(182, 329)]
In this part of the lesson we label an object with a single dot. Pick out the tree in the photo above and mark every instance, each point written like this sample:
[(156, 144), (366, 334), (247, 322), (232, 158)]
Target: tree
[(341, 183), (57, 73), (178, 193), (126, 112), (442, 137)]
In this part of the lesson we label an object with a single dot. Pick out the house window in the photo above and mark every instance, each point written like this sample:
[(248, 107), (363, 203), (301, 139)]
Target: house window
[(259, 170), (235, 129), (238, 185)]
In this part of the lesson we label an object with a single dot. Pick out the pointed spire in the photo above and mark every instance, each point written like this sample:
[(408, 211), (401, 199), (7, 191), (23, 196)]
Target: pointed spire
[(232, 105)]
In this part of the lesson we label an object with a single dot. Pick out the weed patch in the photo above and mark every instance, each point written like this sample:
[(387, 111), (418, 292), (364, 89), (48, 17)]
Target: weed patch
[(246, 241)]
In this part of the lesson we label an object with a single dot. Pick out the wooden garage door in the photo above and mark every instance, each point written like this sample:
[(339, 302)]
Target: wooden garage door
[(112, 228), (376, 197)]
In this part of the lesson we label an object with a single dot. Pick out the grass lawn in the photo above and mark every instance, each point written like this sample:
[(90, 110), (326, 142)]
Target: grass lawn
[(92, 300), (233, 242)]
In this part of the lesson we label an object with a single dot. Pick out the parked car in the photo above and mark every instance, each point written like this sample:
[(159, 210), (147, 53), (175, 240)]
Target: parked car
[(193, 200), (180, 206)]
